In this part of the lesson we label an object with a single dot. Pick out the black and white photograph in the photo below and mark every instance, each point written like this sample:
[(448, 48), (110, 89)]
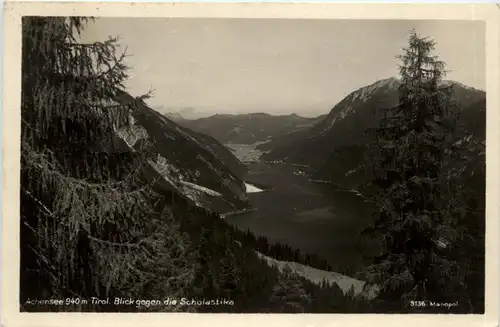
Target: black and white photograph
[(250, 165)]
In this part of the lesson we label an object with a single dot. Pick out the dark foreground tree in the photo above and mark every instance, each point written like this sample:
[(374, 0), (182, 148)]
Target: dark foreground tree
[(90, 224), (418, 192)]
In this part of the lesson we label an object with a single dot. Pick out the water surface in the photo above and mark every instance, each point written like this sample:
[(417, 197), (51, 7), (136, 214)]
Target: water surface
[(310, 216)]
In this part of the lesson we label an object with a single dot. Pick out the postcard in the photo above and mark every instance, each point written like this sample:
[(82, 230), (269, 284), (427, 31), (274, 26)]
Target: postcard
[(251, 163)]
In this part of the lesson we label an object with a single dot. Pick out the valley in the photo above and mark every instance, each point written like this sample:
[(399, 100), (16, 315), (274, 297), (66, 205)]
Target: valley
[(245, 152), (304, 184)]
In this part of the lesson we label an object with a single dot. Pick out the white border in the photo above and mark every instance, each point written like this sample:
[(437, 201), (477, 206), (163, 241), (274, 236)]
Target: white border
[(11, 153)]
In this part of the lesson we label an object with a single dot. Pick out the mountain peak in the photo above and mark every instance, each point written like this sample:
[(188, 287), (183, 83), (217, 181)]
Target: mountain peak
[(259, 114), (391, 82)]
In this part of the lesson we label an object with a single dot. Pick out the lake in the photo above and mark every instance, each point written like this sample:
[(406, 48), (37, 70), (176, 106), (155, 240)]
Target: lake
[(310, 216)]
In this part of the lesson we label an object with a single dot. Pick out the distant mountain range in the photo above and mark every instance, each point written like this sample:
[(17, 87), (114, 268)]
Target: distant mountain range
[(332, 144), (249, 128)]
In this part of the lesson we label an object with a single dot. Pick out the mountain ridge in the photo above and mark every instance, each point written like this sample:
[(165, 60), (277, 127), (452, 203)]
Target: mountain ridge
[(185, 158), (248, 128), (347, 121)]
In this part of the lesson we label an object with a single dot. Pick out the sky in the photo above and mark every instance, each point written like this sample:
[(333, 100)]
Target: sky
[(202, 66)]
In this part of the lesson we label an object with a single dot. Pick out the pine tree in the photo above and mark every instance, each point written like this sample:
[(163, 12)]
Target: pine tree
[(229, 273), (91, 225), (288, 293), (418, 195)]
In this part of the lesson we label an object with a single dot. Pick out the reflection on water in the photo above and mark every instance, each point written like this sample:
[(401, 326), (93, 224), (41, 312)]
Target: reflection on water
[(309, 216)]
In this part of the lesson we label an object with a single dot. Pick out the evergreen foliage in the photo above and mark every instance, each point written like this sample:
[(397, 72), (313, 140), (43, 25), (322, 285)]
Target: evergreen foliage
[(90, 225), (279, 251), (419, 190)]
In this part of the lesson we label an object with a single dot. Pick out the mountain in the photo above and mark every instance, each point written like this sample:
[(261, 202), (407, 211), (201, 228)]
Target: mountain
[(222, 152), (194, 164), (174, 116), (343, 125), (334, 147), (248, 128)]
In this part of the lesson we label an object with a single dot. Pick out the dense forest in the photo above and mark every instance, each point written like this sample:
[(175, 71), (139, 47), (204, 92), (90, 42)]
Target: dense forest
[(97, 220), (279, 251)]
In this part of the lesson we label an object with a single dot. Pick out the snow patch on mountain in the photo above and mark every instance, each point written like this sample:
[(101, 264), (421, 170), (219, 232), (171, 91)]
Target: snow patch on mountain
[(133, 133), (201, 188), (252, 189), (197, 193), (173, 175), (317, 276), (169, 172)]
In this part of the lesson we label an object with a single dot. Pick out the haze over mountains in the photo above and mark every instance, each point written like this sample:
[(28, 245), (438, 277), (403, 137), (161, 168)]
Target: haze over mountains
[(311, 141), (249, 128)]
